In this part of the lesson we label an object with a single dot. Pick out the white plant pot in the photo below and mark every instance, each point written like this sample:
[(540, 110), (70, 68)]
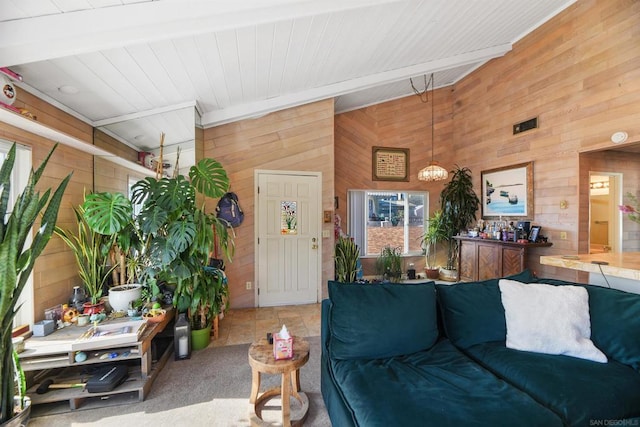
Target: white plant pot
[(120, 296)]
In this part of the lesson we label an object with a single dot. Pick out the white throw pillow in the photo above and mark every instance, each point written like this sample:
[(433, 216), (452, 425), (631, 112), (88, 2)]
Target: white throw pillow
[(549, 319)]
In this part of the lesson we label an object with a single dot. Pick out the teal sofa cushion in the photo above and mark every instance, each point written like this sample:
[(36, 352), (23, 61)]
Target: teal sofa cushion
[(381, 319), (472, 312), (615, 322), (582, 392), (437, 387)]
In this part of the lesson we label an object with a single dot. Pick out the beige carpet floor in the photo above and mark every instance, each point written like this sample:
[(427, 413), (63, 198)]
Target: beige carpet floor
[(210, 389)]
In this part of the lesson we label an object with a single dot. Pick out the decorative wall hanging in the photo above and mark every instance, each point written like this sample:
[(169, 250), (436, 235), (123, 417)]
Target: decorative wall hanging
[(508, 191), (390, 164)]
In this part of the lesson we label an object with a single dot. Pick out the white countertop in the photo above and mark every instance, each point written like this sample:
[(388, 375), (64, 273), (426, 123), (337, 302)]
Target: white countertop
[(619, 264)]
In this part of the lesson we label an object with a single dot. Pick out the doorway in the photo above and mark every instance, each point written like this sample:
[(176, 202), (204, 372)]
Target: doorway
[(288, 237), (604, 215)]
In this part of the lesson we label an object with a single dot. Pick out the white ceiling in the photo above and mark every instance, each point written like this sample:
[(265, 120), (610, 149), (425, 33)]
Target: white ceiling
[(237, 59)]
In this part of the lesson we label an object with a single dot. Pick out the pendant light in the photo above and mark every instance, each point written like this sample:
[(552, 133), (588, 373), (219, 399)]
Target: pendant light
[(433, 172)]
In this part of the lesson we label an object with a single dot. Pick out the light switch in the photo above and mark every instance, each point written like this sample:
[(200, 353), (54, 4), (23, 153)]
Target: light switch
[(326, 234)]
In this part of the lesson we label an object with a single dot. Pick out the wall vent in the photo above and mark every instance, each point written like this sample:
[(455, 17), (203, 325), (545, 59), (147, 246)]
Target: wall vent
[(525, 126)]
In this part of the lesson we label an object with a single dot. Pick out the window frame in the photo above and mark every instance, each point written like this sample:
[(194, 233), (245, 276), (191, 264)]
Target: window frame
[(19, 178), (358, 217)]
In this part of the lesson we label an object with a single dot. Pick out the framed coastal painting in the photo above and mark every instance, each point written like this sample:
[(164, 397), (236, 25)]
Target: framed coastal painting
[(508, 191)]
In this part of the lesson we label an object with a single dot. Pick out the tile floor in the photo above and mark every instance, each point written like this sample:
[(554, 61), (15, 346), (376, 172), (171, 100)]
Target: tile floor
[(246, 325)]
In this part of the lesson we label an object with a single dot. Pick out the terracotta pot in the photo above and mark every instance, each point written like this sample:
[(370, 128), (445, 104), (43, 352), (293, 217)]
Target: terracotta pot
[(432, 273), (90, 309)]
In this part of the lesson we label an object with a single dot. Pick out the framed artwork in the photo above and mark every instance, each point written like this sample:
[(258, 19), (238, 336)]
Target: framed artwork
[(390, 164), (508, 191)]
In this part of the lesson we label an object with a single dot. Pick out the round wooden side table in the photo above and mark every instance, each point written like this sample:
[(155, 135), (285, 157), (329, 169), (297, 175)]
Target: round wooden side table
[(262, 361)]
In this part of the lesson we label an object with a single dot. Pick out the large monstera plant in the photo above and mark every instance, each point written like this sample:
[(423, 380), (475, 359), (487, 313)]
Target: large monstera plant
[(172, 236), (16, 262)]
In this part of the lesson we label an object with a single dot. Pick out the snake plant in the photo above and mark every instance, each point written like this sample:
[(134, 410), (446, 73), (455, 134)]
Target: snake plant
[(347, 255), (17, 259)]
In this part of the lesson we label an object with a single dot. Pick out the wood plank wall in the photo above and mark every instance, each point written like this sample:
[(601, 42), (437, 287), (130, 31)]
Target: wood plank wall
[(107, 142), (402, 123), (298, 139), (579, 74), (55, 272)]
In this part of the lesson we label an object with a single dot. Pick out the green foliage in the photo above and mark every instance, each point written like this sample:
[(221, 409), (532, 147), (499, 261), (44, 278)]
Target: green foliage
[(107, 212), (16, 260), (389, 264), (91, 251), (208, 294), (434, 234), (459, 204), (209, 178), (171, 238), (347, 255)]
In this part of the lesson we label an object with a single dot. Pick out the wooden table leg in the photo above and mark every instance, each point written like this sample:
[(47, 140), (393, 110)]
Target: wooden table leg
[(295, 380), (285, 393), (255, 385)]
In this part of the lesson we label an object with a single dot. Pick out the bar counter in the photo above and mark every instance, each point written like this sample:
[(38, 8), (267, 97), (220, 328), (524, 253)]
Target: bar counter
[(619, 264)]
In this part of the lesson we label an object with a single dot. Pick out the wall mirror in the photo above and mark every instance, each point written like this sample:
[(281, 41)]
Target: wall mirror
[(143, 134)]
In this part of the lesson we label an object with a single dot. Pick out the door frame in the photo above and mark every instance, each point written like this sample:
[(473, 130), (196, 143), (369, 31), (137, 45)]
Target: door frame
[(256, 232), (615, 215)]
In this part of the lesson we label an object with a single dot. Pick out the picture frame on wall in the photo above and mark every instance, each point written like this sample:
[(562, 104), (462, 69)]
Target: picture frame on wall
[(508, 191), (390, 164)]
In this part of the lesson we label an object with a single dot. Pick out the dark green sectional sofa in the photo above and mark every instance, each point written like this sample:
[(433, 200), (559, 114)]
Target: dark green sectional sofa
[(435, 355)]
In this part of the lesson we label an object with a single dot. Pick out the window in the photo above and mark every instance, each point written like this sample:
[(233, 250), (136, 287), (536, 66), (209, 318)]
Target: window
[(137, 207), (19, 178), (387, 218)]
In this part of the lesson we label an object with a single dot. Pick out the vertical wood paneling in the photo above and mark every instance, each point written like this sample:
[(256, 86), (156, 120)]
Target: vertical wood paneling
[(297, 139)]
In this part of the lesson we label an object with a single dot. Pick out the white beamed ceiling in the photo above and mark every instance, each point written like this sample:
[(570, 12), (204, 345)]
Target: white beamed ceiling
[(238, 59)]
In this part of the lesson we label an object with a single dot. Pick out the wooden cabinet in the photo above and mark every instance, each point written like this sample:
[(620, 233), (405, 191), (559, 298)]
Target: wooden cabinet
[(481, 259)]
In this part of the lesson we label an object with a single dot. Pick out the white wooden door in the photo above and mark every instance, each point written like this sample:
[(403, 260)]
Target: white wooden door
[(288, 240)]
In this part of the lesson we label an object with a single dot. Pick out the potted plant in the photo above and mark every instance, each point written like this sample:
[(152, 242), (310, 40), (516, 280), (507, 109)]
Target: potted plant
[(91, 251), (459, 204), (347, 255), (16, 264), (434, 234), (389, 264), (171, 238)]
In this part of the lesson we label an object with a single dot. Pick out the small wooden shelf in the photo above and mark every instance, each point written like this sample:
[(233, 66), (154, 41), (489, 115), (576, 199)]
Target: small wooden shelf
[(51, 357)]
